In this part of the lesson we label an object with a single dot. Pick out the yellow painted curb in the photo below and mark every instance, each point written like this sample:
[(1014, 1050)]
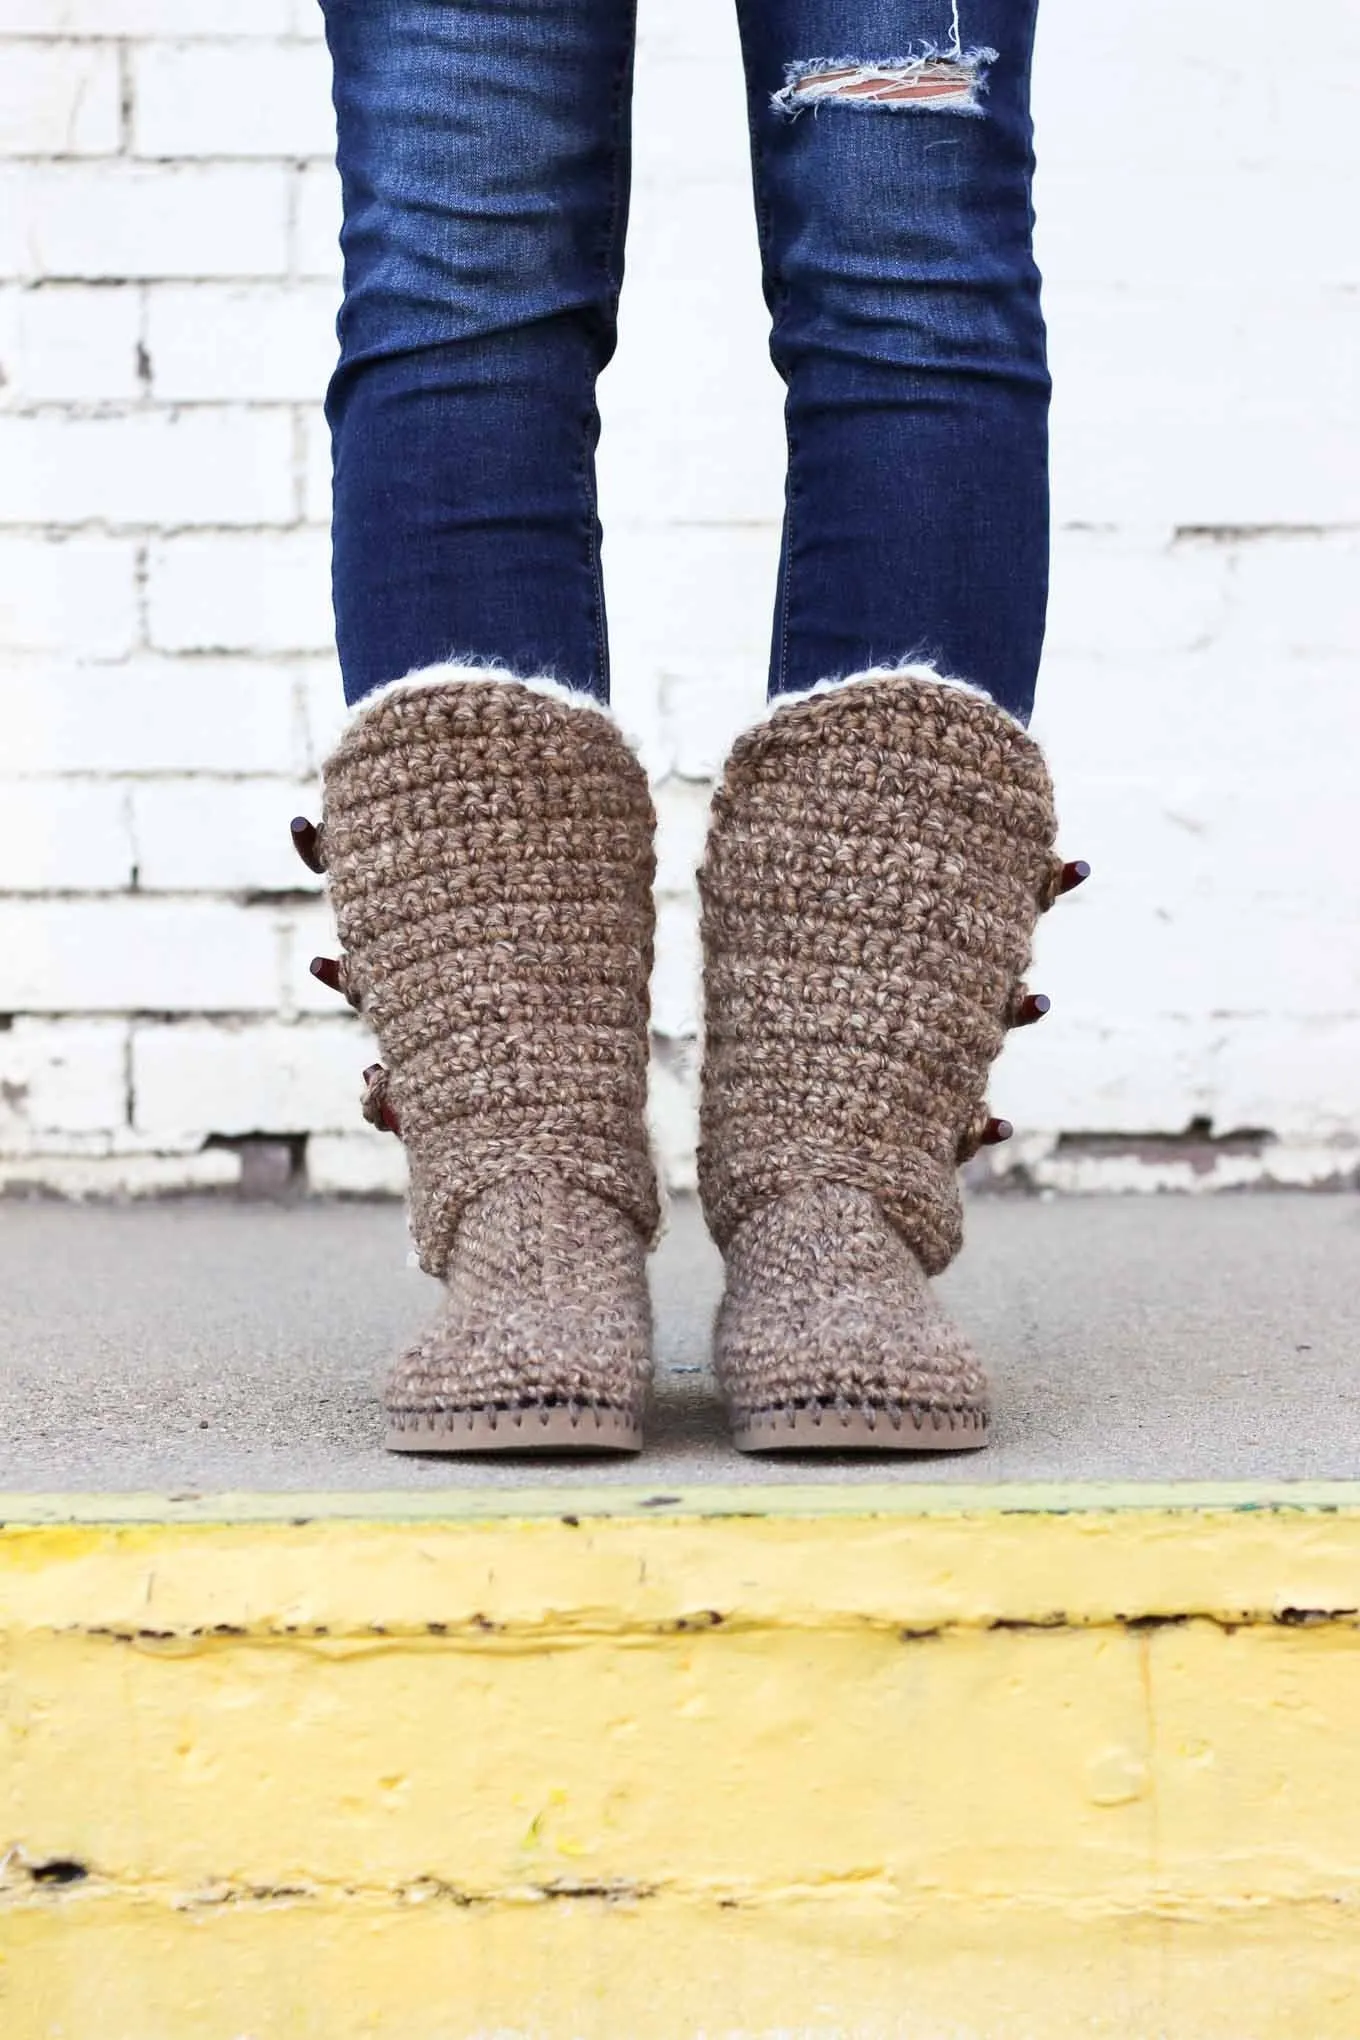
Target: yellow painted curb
[(921, 1763)]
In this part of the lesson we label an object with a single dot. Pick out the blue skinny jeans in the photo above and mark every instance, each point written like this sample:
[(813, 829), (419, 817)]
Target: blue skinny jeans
[(484, 154)]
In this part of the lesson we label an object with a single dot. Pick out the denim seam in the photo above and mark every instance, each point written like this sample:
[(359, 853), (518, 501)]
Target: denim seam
[(778, 291), (622, 72), (757, 146)]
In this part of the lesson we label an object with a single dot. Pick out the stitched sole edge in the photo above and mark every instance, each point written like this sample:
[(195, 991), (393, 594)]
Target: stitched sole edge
[(589, 1427), (799, 1429)]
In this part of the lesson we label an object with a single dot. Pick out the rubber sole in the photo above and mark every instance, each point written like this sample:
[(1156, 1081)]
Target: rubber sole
[(535, 1429), (796, 1429)]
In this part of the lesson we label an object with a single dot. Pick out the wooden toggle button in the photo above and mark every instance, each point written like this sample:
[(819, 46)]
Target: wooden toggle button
[(304, 834), (326, 969)]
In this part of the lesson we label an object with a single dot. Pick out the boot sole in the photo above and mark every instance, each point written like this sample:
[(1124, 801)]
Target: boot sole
[(794, 1429), (589, 1428)]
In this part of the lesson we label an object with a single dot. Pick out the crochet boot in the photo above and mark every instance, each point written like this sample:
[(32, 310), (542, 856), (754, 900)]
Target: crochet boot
[(878, 855), (489, 847)]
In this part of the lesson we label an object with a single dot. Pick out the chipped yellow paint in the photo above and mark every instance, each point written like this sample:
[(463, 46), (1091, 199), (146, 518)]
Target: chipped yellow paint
[(898, 1764)]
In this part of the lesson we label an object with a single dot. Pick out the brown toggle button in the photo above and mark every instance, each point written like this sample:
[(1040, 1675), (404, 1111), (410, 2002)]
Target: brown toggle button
[(1074, 874), (332, 972), (381, 1114), (304, 835), (995, 1131), (1031, 1008), (326, 969)]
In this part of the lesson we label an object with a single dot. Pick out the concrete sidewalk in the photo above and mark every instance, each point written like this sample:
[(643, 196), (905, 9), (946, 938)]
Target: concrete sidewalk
[(206, 1346)]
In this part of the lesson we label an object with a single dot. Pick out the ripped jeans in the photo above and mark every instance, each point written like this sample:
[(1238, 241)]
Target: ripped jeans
[(484, 152)]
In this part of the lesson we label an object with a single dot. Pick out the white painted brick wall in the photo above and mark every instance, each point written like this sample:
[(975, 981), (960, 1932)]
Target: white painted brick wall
[(265, 99), (168, 284), (60, 99), (208, 465), (70, 596), (244, 1078), (240, 343), (143, 220), (266, 592), (70, 344)]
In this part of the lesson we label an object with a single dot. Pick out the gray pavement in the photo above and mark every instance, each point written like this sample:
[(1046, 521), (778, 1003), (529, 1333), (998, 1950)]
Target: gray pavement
[(209, 1347)]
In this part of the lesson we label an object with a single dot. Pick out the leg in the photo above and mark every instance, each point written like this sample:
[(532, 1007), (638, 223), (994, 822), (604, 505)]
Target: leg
[(892, 169), (483, 148), (880, 850), (487, 833)]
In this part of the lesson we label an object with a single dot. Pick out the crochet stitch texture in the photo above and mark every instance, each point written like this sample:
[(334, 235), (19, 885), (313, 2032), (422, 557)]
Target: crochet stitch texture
[(878, 856), (490, 857)]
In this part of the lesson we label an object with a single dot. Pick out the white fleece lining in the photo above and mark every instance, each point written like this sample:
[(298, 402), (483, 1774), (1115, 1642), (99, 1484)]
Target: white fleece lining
[(456, 671), (908, 670)]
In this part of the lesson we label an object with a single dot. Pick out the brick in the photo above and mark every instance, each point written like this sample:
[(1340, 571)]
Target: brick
[(234, 99), (56, 837), (1139, 594), (59, 99), (134, 955), (1218, 711), (133, 18), (1228, 105), (66, 343), (1164, 441), (1210, 841), (194, 835), (241, 592), (1295, 1075), (1103, 1073), (325, 709), (131, 220), (713, 453), (690, 622), (196, 1079), (720, 581), (1124, 952), (211, 716), (64, 1076), (682, 824), (356, 1165), (703, 708), (1158, 227), (307, 20), (1139, 353), (201, 466), (316, 469), (316, 221), (121, 1175), (261, 343), (1294, 595), (676, 993), (74, 596), (688, 59), (672, 1115)]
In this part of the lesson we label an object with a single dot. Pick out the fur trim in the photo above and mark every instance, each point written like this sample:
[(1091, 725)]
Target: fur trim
[(908, 670), (455, 671)]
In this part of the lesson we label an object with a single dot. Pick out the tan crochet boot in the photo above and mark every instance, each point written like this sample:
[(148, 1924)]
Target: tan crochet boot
[(489, 846), (879, 853)]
